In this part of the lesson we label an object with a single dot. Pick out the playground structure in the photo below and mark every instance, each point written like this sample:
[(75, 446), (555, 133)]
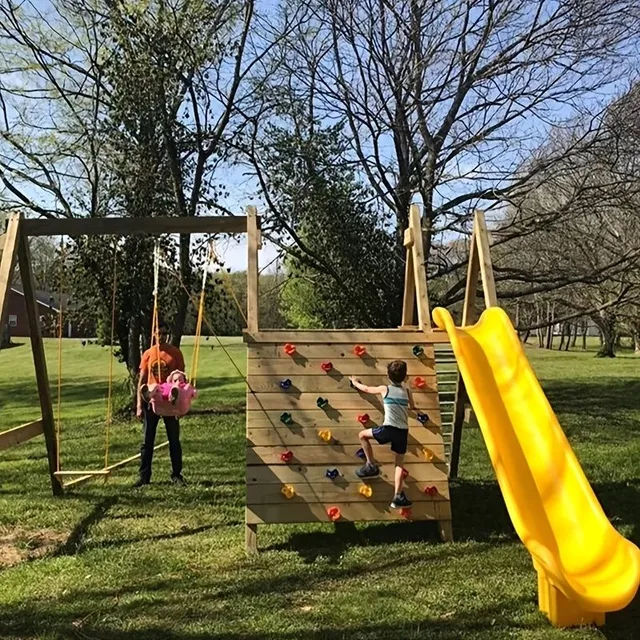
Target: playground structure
[(303, 420)]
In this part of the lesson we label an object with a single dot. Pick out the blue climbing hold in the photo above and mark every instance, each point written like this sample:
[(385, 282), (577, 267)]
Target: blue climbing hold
[(322, 402), (422, 418), (360, 454), (332, 474), (285, 384)]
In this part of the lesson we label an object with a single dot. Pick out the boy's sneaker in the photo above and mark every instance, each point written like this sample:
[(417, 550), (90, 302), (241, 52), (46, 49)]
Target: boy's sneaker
[(174, 395), (400, 501), (368, 471)]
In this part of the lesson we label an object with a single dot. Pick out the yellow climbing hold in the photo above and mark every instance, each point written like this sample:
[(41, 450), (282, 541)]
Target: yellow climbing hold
[(325, 434), (428, 454), (288, 491), (365, 490)]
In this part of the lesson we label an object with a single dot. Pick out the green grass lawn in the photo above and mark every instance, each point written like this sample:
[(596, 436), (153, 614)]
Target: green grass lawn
[(106, 561)]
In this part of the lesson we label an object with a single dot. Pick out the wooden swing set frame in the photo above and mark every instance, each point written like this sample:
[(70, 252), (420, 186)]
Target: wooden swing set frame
[(14, 248), (15, 251)]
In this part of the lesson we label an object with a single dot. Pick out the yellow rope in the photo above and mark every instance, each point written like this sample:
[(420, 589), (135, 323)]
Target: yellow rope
[(195, 360), (60, 321), (109, 418), (229, 286), (155, 330)]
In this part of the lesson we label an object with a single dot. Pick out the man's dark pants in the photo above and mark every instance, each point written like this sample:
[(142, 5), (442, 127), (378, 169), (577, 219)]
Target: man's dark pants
[(149, 428)]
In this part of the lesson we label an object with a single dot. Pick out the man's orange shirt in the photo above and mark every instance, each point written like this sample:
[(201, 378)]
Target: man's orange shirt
[(171, 358)]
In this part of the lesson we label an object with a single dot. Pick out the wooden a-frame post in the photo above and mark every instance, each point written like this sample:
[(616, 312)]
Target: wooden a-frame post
[(415, 275), (479, 266)]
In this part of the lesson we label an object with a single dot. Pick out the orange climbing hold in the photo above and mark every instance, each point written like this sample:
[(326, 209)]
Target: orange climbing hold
[(428, 454), (359, 350), (289, 348), (325, 434), (334, 513), (288, 491)]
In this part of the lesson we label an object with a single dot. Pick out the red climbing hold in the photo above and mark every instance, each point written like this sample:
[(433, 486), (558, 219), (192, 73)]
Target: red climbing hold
[(359, 350), (363, 418), (405, 473), (289, 348), (431, 491), (333, 513), (326, 366), (286, 456), (419, 382), (405, 512)]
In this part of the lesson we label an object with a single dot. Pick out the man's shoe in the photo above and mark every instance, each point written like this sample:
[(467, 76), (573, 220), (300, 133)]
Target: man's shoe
[(179, 481), (141, 482), (400, 501), (368, 471)]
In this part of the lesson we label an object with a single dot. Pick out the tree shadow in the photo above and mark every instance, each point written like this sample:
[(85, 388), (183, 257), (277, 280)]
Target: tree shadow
[(598, 398)]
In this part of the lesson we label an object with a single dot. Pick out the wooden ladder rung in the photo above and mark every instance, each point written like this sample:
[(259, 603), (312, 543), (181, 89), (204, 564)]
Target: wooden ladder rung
[(99, 472)]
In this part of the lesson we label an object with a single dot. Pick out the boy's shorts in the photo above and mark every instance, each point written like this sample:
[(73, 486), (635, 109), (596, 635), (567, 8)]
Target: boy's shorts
[(397, 437)]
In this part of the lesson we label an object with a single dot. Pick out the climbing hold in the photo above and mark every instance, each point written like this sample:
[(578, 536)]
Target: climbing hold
[(405, 512), (360, 454), (325, 434), (286, 456), (333, 513), (326, 366), (431, 491), (428, 454), (332, 474), (365, 490), (285, 384), (288, 491), (322, 403), (419, 382), (286, 418), (417, 351), (405, 473), (289, 348), (359, 350), (423, 418), (363, 418)]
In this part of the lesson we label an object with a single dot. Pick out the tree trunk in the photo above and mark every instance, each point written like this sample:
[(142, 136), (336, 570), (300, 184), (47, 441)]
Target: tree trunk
[(539, 330), (606, 322), (525, 337), (563, 331), (550, 317), (571, 336), (585, 331), (574, 338), (635, 336)]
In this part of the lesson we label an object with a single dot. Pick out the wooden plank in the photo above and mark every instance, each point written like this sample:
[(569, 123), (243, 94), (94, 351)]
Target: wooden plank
[(409, 298), (85, 472), (318, 418), (445, 530), (323, 384), (326, 454), (471, 289), (339, 352), (458, 423), (284, 436), (345, 368), (334, 491), (293, 473), (349, 336), (134, 226), (350, 512), (39, 361), (419, 268), (484, 256), (253, 308), (114, 466), (18, 435), (8, 262), (288, 402)]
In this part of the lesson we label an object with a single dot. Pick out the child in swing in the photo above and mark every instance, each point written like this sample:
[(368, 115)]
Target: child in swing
[(170, 390), (394, 430)]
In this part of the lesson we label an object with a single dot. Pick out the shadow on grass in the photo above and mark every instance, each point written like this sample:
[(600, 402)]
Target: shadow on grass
[(598, 398), (480, 514)]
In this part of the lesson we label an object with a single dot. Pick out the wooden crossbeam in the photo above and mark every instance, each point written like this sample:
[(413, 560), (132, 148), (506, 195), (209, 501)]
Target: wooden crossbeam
[(133, 226), (85, 472), (18, 435)]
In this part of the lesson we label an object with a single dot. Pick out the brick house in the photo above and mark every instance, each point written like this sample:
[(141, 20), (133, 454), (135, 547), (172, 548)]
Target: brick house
[(48, 309)]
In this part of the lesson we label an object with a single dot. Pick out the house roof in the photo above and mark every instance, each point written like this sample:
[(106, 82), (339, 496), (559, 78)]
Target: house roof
[(43, 298)]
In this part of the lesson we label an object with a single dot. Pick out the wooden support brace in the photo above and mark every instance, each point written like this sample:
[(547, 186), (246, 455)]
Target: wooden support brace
[(20, 434), (251, 539), (85, 472), (253, 245), (7, 264)]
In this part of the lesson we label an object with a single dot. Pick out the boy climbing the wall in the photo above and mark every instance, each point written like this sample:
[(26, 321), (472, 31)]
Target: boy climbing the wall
[(394, 430)]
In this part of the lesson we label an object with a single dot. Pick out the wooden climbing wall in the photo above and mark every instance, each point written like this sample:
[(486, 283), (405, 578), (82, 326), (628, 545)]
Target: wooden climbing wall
[(270, 475)]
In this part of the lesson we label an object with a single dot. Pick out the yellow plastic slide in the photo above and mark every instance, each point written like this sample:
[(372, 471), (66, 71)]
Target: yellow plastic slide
[(585, 567)]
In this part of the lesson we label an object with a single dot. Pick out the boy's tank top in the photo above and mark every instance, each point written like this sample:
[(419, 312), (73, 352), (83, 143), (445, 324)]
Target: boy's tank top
[(396, 407)]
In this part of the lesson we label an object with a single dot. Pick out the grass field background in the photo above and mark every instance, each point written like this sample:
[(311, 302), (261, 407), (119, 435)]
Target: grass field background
[(107, 561)]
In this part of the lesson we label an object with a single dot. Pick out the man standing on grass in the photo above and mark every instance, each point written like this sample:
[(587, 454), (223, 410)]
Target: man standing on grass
[(156, 364)]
